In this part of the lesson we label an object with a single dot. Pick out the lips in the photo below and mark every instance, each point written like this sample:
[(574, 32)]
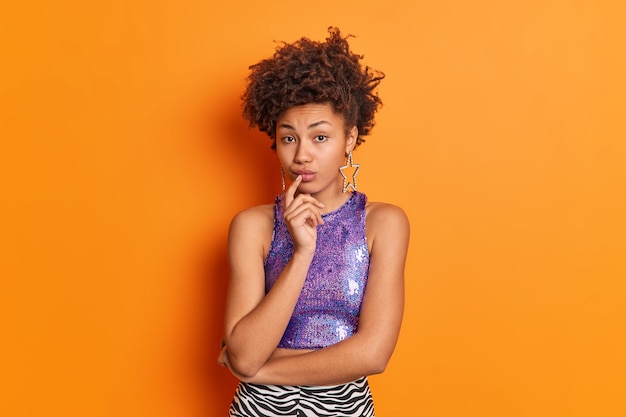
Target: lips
[(306, 175)]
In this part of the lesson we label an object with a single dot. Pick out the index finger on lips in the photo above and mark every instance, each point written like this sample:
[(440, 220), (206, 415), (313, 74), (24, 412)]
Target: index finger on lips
[(291, 191)]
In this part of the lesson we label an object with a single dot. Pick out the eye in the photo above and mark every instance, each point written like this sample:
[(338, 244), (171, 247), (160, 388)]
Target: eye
[(320, 138), (288, 139)]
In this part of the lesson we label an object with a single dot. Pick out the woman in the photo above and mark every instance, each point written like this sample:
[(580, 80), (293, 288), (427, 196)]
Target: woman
[(317, 279)]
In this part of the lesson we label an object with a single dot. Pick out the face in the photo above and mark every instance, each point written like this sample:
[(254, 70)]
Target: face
[(311, 141)]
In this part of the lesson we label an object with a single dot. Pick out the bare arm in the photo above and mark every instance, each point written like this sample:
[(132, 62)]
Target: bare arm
[(255, 322), (369, 350)]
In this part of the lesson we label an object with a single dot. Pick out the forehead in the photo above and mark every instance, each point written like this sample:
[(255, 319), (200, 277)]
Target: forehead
[(309, 114)]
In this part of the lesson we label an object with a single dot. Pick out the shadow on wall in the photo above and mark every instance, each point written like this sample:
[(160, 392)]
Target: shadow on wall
[(251, 176), (250, 171), (215, 384)]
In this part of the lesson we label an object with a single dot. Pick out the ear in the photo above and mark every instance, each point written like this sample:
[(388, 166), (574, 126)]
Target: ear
[(351, 138)]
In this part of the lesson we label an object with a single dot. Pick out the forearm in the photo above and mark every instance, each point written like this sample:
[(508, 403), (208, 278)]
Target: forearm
[(254, 338), (343, 362)]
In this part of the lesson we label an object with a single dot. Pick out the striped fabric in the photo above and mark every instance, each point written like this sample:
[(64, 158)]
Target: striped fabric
[(353, 399)]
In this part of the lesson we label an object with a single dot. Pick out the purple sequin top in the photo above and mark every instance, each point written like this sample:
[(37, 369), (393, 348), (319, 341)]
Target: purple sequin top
[(330, 302)]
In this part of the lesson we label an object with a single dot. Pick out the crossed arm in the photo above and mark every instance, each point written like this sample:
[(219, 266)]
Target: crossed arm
[(255, 321)]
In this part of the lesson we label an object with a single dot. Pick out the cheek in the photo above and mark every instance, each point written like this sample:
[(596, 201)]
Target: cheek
[(282, 156), (336, 161)]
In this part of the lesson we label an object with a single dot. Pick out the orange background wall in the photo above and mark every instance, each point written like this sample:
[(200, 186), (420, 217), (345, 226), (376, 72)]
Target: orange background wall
[(124, 158)]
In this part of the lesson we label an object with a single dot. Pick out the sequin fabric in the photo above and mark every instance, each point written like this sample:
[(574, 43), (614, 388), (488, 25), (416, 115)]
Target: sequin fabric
[(330, 302)]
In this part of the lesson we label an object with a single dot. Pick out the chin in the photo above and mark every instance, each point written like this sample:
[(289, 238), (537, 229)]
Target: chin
[(308, 188)]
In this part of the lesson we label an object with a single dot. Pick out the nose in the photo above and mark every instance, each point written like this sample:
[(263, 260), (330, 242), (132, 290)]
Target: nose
[(303, 153)]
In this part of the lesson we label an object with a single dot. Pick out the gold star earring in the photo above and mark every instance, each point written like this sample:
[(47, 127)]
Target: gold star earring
[(348, 172)]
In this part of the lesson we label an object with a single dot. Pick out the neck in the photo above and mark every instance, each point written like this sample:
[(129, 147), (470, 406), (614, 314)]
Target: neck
[(332, 198)]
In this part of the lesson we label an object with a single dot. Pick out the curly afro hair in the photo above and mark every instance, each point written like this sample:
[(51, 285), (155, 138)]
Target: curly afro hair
[(307, 72)]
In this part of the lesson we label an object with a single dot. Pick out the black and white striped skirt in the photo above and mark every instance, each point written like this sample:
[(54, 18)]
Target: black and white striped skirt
[(353, 399)]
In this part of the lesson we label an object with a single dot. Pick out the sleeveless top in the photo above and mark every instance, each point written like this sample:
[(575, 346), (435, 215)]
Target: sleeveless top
[(328, 308)]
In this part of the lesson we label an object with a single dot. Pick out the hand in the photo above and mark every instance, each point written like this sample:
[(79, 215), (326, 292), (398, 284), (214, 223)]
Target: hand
[(302, 215), (222, 358)]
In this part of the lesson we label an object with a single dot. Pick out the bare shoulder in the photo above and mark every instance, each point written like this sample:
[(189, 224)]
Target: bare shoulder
[(384, 215), (253, 225), (387, 226), (254, 216)]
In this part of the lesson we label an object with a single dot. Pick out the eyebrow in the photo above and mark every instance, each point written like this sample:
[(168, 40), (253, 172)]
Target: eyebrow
[(311, 126)]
